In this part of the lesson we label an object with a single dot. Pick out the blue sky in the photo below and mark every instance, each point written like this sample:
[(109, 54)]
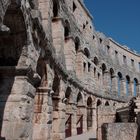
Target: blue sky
[(118, 19)]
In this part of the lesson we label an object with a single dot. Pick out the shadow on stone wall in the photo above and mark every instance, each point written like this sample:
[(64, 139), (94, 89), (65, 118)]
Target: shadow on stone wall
[(138, 134), (6, 84)]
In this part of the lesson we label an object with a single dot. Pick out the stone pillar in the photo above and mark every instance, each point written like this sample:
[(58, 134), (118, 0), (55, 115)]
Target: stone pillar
[(59, 122), (44, 8), (43, 121), (58, 38), (83, 110), (18, 111), (123, 87), (59, 114), (131, 89), (70, 54), (79, 65), (138, 89), (114, 90), (106, 81), (94, 123), (74, 118)]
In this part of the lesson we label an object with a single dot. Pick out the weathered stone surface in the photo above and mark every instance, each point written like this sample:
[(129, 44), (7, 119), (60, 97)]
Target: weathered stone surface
[(119, 131), (58, 75)]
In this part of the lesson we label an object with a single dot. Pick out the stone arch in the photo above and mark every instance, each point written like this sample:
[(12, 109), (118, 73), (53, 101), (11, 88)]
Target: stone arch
[(77, 44), (89, 112), (67, 29), (86, 52), (11, 44), (56, 8)]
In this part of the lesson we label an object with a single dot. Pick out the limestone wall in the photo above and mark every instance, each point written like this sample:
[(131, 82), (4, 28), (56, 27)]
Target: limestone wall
[(120, 131), (54, 73)]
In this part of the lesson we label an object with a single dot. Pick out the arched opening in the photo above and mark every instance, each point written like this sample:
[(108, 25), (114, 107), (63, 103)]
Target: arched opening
[(11, 44), (127, 85), (55, 8), (89, 113), (41, 70), (103, 68), (106, 103), (66, 29), (119, 83), (99, 103), (136, 89), (86, 52), (111, 79), (56, 89), (79, 122), (77, 44), (96, 61), (103, 75), (68, 94)]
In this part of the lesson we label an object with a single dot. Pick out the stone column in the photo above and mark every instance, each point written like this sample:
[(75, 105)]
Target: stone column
[(59, 122), (74, 119), (84, 113), (43, 125), (106, 81), (131, 88), (58, 38), (94, 123), (59, 114), (70, 54)]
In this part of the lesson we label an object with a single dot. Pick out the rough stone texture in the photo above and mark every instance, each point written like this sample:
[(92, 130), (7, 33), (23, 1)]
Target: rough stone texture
[(119, 131), (58, 75)]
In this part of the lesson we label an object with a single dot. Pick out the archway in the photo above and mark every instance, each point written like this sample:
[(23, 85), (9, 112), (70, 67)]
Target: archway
[(95, 61), (66, 29), (119, 83), (86, 52), (11, 44), (128, 86), (136, 88)]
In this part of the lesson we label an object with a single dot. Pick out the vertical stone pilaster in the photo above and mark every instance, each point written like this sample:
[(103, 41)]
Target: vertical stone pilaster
[(58, 37), (43, 125), (114, 85), (123, 87), (59, 122), (70, 54), (17, 119), (74, 118), (106, 81)]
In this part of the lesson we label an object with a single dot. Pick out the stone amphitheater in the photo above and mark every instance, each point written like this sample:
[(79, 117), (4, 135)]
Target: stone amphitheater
[(61, 79)]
